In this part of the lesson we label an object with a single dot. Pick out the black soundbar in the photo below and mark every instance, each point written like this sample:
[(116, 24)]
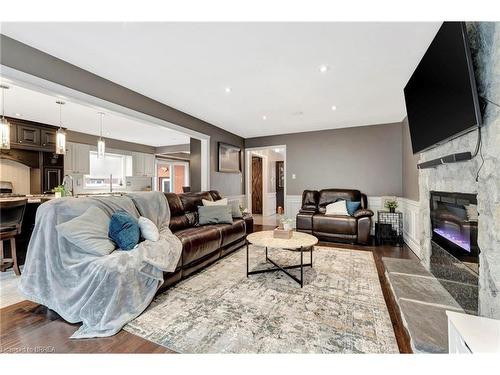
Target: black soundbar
[(453, 158)]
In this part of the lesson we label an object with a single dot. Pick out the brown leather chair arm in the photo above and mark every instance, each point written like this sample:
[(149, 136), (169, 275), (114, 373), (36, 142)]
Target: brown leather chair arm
[(363, 212)]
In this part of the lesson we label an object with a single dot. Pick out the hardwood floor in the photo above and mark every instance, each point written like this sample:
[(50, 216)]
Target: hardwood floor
[(29, 327)]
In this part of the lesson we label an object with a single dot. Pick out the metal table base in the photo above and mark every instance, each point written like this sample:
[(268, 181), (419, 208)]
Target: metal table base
[(284, 269)]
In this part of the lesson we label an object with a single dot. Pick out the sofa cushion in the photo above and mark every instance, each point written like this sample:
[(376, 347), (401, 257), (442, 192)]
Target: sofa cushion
[(231, 232), (124, 230), (327, 196), (352, 207), (198, 242), (340, 224), (337, 208), (89, 231), (219, 202), (191, 201), (215, 215), (149, 231), (310, 200)]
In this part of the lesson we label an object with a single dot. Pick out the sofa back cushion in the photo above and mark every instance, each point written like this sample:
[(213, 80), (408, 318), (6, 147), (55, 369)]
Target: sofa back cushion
[(310, 200), (191, 201), (184, 207), (327, 196)]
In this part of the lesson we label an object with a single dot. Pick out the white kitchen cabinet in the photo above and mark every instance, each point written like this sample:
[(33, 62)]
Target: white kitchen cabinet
[(142, 164), (77, 158), (149, 165)]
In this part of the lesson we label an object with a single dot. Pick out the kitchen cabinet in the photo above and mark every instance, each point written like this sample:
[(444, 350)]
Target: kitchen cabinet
[(149, 165), (28, 135), (143, 165), (48, 138), (77, 158)]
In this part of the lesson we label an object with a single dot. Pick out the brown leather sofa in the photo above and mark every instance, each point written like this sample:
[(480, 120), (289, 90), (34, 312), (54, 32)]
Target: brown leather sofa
[(201, 245), (312, 219)]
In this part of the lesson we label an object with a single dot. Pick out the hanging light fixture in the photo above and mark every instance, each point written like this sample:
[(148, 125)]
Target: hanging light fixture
[(4, 124), (60, 134), (101, 145)]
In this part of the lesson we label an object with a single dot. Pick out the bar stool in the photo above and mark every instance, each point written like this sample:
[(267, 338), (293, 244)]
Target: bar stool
[(11, 220)]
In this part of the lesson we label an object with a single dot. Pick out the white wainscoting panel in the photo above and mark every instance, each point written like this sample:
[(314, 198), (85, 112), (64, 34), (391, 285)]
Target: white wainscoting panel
[(241, 199), (269, 206), (292, 206), (374, 204), (411, 225)]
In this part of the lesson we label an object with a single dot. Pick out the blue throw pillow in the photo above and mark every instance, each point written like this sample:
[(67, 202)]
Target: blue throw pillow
[(352, 207), (124, 230)]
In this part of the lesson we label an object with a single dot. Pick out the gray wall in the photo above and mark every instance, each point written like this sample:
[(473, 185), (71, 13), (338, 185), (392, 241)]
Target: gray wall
[(367, 158), (89, 139), (24, 58), (195, 165), (410, 161)]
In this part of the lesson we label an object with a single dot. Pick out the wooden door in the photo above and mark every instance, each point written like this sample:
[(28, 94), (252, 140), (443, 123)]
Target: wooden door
[(280, 184), (256, 185)]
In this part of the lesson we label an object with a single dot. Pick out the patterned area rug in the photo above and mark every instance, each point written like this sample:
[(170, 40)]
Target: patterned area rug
[(341, 308)]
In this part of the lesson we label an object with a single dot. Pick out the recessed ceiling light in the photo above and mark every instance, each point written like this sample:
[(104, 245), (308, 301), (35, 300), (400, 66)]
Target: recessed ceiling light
[(334, 107), (323, 68), (227, 90), (264, 117), (18, 115)]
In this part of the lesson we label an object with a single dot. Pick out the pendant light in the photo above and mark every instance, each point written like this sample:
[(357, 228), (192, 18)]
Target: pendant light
[(4, 124), (60, 134), (101, 145)]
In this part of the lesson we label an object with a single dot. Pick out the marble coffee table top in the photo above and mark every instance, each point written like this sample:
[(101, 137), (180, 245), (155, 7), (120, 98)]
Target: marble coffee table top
[(266, 239)]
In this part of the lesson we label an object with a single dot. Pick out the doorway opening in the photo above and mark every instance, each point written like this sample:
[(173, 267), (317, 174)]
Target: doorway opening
[(266, 182)]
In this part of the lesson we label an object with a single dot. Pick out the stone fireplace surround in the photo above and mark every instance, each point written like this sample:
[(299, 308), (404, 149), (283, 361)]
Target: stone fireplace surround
[(484, 39)]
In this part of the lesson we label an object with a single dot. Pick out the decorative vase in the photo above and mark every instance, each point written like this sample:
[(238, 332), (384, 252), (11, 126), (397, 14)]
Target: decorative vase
[(287, 226), (58, 194), (392, 210)]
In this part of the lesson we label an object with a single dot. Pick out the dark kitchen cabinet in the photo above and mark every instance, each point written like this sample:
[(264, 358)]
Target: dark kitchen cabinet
[(13, 133), (48, 138), (28, 135)]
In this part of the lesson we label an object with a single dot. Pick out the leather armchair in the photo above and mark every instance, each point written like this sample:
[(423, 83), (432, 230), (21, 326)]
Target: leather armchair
[(312, 218)]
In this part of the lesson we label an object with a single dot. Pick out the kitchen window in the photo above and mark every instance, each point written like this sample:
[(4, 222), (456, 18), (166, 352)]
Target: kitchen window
[(108, 171)]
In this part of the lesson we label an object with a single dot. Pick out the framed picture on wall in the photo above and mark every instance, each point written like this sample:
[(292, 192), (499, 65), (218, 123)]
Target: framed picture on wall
[(229, 158)]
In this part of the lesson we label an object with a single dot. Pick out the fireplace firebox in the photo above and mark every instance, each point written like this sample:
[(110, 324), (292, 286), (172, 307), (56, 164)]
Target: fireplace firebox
[(454, 220)]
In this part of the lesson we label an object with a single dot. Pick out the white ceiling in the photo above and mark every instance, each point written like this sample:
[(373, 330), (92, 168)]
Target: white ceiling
[(272, 68), (32, 105)]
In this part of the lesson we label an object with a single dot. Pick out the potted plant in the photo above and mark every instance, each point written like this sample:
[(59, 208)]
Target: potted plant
[(286, 223), (59, 191), (391, 205)]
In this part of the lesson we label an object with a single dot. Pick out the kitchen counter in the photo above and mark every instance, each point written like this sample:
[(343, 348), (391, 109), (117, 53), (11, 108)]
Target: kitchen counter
[(30, 198)]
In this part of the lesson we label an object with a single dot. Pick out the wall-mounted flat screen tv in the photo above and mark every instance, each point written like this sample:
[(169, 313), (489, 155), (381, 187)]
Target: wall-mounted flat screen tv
[(441, 95)]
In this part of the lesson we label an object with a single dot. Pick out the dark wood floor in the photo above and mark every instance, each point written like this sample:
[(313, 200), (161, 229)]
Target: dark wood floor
[(29, 327)]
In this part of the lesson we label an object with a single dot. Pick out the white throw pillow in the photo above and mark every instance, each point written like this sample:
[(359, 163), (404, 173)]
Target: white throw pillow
[(220, 202), (337, 208), (149, 231)]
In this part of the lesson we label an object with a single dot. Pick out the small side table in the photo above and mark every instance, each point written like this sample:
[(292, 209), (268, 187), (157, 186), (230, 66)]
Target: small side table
[(390, 227)]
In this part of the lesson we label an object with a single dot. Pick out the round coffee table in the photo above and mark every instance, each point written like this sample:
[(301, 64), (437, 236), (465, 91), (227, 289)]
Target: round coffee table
[(300, 242)]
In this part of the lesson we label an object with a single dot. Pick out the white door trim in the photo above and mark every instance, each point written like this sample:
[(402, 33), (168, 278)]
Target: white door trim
[(248, 176)]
